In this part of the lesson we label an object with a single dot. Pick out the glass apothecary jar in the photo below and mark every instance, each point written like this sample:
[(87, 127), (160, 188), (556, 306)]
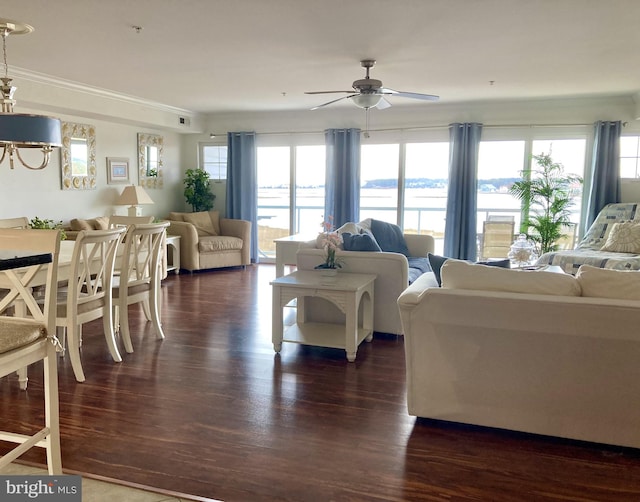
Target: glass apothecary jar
[(523, 252)]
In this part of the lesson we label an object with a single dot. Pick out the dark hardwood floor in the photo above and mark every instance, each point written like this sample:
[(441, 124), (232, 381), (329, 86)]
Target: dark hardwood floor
[(212, 411)]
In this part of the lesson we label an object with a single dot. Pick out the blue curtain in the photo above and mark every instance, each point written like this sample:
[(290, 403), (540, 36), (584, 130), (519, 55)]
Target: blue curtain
[(342, 182), (605, 169), (461, 217), (242, 183)]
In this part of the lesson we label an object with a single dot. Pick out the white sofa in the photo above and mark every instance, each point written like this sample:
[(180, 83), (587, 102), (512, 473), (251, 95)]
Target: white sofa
[(549, 362), (392, 270)]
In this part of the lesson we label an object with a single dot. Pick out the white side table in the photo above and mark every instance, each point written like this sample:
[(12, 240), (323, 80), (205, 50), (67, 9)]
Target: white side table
[(346, 291), (286, 249), (173, 257)]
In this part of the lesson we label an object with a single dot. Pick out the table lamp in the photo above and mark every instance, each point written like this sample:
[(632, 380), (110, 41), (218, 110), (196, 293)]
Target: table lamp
[(134, 196)]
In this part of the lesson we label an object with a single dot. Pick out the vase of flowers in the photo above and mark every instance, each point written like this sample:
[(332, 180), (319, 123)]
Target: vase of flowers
[(331, 242)]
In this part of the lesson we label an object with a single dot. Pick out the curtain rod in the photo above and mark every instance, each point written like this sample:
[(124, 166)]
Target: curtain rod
[(435, 127)]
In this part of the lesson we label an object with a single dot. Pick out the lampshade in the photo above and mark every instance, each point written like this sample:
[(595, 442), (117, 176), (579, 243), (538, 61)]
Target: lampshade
[(22, 130), (366, 100), (134, 196), (29, 130)]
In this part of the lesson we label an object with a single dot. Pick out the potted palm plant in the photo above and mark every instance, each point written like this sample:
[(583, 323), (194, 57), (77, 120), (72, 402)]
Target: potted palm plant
[(197, 190), (546, 194)]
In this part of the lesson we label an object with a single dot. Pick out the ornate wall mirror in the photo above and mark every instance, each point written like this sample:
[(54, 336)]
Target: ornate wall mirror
[(150, 147), (78, 156)]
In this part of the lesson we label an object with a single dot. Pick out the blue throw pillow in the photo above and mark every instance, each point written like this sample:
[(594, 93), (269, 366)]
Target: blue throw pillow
[(389, 237), (418, 265), (436, 263), (359, 242)]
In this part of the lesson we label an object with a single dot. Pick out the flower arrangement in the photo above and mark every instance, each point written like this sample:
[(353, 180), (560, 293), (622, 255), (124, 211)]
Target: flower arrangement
[(331, 242)]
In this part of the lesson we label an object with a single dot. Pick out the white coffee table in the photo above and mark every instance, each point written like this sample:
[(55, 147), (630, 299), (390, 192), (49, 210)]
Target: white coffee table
[(346, 291)]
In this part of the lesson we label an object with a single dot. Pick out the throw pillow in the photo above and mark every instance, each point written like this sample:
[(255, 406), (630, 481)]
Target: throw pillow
[(436, 263), (624, 237), (101, 223), (77, 225), (389, 237), (215, 221), (176, 216), (202, 221), (607, 283), (458, 274), (359, 242), (350, 227), (365, 224)]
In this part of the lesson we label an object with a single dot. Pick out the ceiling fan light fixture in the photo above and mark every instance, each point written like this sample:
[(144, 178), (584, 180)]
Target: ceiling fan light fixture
[(366, 100)]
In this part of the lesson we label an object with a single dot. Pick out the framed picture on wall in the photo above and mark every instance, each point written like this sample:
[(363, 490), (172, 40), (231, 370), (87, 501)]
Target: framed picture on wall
[(117, 170)]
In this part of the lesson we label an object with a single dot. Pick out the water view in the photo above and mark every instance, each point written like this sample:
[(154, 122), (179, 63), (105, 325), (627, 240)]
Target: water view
[(424, 211)]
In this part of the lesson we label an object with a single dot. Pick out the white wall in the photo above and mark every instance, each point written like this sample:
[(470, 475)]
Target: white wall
[(38, 193), (118, 120)]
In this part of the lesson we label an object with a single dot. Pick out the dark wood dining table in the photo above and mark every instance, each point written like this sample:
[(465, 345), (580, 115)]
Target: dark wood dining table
[(17, 259)]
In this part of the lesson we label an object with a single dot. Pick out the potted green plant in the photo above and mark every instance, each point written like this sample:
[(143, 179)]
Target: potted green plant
[(197, 190), (40, 224), (546, 195)]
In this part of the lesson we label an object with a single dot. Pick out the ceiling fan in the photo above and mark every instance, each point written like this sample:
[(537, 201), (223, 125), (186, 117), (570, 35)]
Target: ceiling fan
[(369, 92)]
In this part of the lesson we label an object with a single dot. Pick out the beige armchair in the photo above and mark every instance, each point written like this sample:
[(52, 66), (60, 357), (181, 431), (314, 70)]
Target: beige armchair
[(208, 241)]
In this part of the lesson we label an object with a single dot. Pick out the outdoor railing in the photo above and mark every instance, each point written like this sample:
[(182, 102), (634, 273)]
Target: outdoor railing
[(422, 217)]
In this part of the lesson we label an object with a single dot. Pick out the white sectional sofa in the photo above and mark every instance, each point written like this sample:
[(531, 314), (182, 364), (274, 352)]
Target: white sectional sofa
[(392, 270), (538, 352)]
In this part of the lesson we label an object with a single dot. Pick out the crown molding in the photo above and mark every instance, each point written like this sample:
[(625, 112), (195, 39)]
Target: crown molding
[(42, 92), (41, 78)]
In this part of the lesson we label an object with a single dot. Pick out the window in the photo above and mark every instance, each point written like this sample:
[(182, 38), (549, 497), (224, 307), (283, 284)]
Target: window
[(379, 182), (571, 154), (213, 159), (274, 181), (629, 156), (403, 179), (309, 194), (425, 189), (291, 182), (500, 163)]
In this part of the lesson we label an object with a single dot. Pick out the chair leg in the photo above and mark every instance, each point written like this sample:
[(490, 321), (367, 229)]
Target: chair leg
[(61, 333), (124, 328), (110, 337), (73, 334), (155, 316), (52, 414), (22, 378), (146, 310)]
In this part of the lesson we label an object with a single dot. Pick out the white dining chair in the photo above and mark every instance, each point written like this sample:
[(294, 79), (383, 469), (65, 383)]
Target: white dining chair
[(88, 295), (116, 220), (30, 338), (20, 222), (139, 278)]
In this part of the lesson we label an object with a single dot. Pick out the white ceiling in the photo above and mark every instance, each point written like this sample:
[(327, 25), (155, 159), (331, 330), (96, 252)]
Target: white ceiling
[(223, 56)]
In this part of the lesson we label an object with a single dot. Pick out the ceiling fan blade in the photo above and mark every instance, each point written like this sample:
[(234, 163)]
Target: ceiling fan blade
[(327, 92), (330, 102), (382, 104), (413, 95)]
